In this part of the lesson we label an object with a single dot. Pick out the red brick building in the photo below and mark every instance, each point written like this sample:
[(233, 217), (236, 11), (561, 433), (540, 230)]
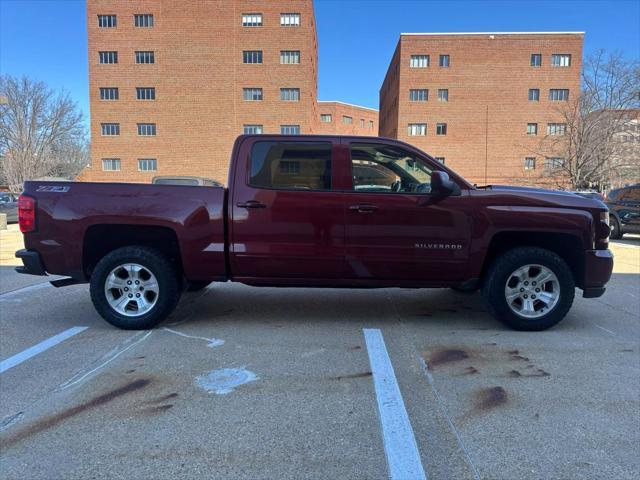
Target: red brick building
[(341, 118), (481, 102), (172, 84)]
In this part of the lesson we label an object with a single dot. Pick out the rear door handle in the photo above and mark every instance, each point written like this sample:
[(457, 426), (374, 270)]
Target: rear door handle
[(363, 208), (251, 204)]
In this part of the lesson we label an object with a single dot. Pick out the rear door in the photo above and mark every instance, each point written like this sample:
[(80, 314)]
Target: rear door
[(286, 221), (395, 230)]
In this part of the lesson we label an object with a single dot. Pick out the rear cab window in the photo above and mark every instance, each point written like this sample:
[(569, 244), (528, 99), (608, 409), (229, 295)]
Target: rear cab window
[(291, 165)]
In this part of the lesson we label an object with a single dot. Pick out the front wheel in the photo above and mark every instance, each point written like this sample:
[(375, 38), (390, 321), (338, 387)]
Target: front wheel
[(134, 288), (529, 288)]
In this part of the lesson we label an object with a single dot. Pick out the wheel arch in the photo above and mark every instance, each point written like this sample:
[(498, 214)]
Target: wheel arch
[(569, 247), (101, 239)]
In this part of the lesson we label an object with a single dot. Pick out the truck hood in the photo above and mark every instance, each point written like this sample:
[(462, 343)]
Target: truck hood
[(543, 196)]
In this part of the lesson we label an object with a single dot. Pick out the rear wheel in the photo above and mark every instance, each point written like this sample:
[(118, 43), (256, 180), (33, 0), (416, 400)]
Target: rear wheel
[(134, 288), (529, 288), (616, 233)]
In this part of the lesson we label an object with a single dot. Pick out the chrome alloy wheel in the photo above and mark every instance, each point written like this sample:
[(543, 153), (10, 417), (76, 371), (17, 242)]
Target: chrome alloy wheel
[(131, 289), (532, 291)]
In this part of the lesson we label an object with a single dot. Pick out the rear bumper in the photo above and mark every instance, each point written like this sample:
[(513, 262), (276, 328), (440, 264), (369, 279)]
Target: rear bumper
[(32, 263), (597, 272)]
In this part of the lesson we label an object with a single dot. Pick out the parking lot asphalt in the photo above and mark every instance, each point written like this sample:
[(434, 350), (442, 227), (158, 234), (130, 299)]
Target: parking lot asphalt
[(255, 383)]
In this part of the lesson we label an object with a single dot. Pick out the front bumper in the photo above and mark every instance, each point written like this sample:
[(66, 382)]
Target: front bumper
[(597, 272), (32, 263)]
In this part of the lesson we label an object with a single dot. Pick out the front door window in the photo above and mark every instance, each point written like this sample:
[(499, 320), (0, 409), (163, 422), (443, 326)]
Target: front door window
[(388, 169)]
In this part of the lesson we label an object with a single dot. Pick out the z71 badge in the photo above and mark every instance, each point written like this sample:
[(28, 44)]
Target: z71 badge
[(52, 188)]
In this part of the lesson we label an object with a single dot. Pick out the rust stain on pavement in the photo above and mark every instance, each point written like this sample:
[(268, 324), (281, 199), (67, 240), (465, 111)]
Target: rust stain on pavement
[(54, 420)]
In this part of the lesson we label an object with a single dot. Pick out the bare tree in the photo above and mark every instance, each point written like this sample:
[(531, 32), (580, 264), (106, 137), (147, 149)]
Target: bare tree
[(41, 132), (585, 148)]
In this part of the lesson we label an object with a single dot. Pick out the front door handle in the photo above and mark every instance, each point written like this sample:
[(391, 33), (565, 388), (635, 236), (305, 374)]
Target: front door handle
[(363, 208), (251, 204)]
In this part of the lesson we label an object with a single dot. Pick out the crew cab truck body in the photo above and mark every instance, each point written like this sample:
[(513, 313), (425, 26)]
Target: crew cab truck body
[(319, 211)]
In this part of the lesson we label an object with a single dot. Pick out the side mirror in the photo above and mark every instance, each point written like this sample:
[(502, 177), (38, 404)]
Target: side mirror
[(442, 186)]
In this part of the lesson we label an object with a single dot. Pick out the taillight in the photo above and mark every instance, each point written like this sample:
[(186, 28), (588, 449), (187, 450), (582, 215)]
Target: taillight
[(26, 213), (603, 231)]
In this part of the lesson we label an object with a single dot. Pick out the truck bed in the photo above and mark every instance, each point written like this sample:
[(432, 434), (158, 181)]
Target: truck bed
[(71, 215)]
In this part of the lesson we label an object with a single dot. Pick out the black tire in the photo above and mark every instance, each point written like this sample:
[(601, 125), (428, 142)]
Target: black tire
[(495, 281), (158, 265), (616, 232), (197, 286)]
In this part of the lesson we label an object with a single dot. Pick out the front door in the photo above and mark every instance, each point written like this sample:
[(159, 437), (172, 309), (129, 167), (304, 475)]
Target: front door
[(395, 230), (287, 222)]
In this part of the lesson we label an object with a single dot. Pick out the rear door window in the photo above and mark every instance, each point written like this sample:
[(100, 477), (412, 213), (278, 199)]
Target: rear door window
[(291, 165)]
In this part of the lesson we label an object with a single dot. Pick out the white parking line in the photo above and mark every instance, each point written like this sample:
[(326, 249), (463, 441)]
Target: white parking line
[(18, 358), (108, 358), (19, 291), (403, 457)]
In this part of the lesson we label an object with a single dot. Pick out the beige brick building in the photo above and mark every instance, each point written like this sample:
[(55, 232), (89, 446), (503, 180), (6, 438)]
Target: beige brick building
[(173, 83), (341, 118), (481, 102)]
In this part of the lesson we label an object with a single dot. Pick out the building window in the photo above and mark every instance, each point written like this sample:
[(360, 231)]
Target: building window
[(560, 60), (252, 94), (347, 120), (251, 19), (441, 129), (290, 94), (444, 61), (289, 57), (536, 59), (147, 129), (252, 129), (145, 57), (326, 118), (559, 94), (107, 21), (109, 93), (419, 61), (370, 123), (419, 95), (553, 163), (440, 159), (145, 93), (534, 94), (362, 123), (443, 94), (289, 19), (291, 165), (532, 129), (108, 57), (147, 164), (530, 163), (556, 128), (143, 20), (110, 129), (417, 129), (110, 164), (252, 56), (290, 129)]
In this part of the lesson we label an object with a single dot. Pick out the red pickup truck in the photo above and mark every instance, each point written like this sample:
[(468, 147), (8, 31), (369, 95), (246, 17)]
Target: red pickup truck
[(318, 211)]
